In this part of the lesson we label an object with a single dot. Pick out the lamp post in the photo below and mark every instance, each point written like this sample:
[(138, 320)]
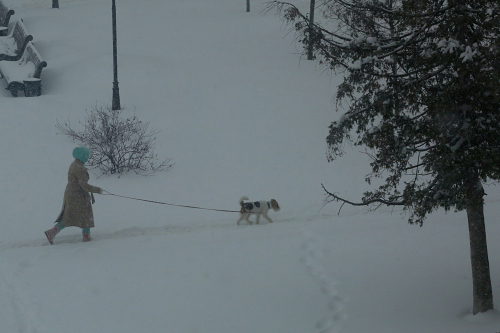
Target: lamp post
[(115, 105)]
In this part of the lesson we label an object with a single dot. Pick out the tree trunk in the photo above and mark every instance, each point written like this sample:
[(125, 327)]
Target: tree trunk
[(248, 6), (481, 281), (311, 22), (55, 3)]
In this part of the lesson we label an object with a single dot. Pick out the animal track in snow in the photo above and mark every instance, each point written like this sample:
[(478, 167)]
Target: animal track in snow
[(313, 255)]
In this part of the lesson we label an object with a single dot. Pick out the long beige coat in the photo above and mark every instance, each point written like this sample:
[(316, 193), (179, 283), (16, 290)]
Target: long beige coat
[(77, 205)]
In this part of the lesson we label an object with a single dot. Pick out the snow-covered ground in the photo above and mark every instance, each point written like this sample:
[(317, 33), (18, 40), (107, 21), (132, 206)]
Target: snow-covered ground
[(239, 114)]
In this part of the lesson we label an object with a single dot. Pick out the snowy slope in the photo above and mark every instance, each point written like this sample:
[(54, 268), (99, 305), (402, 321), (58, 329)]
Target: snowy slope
[(240, 114)]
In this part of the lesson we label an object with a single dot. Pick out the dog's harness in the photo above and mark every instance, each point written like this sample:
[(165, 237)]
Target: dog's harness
[(246, 207)]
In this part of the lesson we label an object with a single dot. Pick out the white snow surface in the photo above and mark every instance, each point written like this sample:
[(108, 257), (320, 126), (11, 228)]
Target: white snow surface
[(240, 114)]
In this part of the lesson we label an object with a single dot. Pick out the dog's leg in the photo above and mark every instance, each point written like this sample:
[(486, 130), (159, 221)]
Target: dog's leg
[(267, 217), (241, 218), (247, 218), (257, 218)]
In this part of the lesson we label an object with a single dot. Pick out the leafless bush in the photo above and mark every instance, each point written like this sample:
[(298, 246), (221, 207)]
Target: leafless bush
[(117, 145)]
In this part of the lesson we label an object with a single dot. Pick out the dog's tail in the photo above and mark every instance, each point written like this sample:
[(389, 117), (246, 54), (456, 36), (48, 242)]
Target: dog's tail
[(241, 200)]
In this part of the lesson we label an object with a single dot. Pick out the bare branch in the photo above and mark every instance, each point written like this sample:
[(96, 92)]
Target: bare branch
[(365, 203)]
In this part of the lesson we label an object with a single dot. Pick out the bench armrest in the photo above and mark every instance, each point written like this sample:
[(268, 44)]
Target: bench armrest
[(18, 56), (38, 71), (7, 17)]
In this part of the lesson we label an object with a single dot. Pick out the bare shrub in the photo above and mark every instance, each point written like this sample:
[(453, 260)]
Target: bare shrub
[(117, 145)]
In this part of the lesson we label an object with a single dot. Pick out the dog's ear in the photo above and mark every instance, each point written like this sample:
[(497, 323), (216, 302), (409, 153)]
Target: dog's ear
[(275, 205)]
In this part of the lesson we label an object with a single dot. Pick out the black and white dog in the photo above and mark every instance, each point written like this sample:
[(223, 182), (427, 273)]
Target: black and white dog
[(258, 208)]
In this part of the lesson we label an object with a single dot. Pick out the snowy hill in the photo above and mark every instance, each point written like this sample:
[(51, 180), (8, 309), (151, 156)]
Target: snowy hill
[(240, 114)]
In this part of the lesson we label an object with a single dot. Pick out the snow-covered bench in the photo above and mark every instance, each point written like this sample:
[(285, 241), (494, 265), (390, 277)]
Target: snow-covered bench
[(24, 74), (5, 15), (14, 44)]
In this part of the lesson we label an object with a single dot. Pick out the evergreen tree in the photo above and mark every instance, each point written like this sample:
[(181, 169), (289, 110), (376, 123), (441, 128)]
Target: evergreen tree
[(422, 79)]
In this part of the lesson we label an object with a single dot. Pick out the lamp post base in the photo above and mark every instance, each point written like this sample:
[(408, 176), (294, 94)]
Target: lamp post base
[(116, 97)]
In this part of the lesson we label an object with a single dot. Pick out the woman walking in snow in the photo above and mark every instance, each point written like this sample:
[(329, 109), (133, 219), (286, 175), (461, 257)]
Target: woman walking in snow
[(78, 199)]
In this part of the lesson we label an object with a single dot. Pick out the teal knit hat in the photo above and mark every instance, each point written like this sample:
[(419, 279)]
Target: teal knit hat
[(81, 153)]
